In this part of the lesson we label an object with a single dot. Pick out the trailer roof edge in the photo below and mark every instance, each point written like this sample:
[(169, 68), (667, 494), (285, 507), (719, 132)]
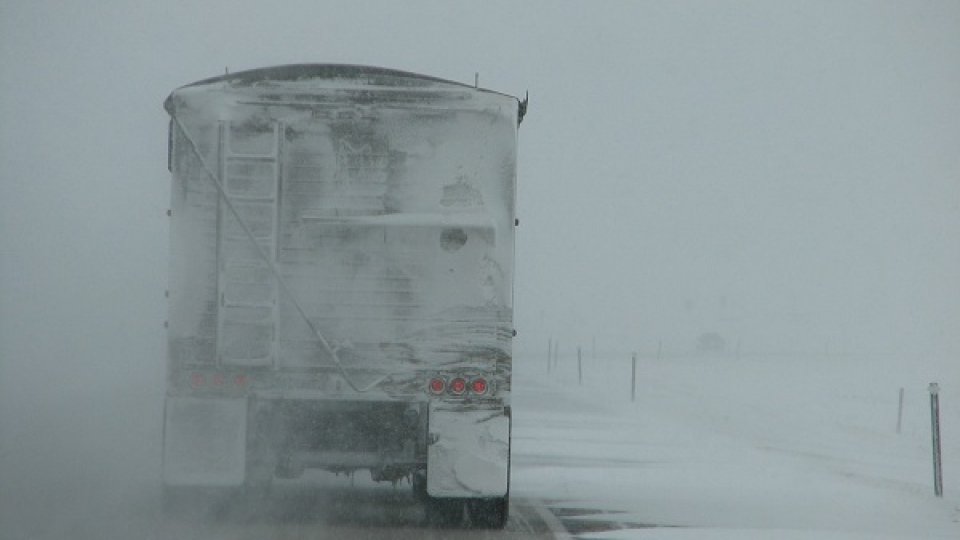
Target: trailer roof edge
[(296, 72)]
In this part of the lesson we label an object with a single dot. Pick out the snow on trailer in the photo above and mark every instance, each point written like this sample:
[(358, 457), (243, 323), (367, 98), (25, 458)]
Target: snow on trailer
[(341, 281)]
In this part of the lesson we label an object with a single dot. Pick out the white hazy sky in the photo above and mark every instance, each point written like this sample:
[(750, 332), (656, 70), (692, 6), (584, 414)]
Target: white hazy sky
[(786, 174)]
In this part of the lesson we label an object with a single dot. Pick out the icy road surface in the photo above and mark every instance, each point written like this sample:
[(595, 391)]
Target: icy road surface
[(724, 448), (713, 448), (84, 465), (299, 510)]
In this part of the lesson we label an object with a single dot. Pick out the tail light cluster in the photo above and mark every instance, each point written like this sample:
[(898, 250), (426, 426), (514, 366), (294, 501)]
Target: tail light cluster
[(458, 386), (200, 379)]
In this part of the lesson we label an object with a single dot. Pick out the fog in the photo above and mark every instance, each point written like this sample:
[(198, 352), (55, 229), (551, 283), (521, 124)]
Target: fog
[(785, 175)]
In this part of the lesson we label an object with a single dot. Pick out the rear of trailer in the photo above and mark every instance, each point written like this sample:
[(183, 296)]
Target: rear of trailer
[(341, 282)]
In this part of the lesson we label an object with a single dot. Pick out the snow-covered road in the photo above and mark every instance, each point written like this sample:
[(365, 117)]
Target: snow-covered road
[(713, 448), (83, 464), (726, 448)]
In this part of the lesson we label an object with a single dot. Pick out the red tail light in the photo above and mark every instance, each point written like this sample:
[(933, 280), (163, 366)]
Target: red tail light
[(458, 386), (219, 379), (479, 386), (240, 380), (197, 380)]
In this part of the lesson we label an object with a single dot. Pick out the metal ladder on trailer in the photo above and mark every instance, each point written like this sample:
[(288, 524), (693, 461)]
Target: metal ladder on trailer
[(248, 291)]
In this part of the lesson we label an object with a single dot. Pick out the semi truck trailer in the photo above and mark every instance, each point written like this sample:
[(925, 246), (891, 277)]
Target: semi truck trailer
[(341, 283)]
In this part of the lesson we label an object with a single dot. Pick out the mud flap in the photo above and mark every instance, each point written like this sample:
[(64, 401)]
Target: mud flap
[(469, 451), (204, 442)]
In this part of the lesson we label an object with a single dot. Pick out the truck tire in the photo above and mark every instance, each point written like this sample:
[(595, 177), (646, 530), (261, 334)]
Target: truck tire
[(489, 513), (418, 481), (444, 512)]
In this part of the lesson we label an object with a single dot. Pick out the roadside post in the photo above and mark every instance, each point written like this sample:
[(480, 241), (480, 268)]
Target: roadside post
[(549, 353), (556, 355), (900, 412), (579, 366), (935, 428)]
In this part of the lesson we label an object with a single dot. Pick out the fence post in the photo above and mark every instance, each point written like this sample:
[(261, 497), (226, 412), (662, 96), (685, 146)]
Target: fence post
[(900, 411), (579, 366), (556, 355), (633, 379), (935, 428), (549, 353)]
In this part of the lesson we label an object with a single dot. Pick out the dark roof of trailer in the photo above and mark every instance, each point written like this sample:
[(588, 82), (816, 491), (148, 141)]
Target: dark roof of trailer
[(298, 72), (372, 74)]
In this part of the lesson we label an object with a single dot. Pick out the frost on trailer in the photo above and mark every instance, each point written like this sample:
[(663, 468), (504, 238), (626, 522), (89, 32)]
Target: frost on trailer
[(342, 245)]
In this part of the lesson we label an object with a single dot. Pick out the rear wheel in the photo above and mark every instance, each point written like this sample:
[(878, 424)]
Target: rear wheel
[(488, 513), (418, 481), (444, 512)]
